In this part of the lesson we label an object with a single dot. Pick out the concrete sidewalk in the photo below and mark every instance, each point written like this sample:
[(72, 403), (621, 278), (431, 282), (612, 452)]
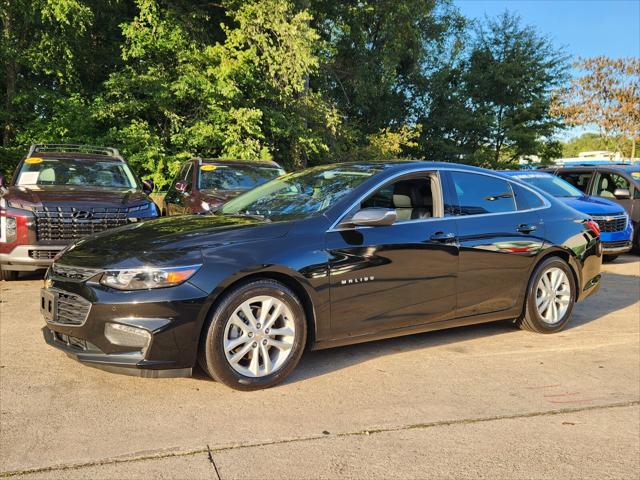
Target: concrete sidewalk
[(477, 402)]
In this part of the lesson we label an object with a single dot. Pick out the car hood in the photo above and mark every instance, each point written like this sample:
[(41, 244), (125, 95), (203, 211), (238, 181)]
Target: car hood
[(593, 205), (26, 197), (167, 241)]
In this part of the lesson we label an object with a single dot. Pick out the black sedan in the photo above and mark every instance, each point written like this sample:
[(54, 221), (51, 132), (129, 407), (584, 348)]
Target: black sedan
[(328, 256)]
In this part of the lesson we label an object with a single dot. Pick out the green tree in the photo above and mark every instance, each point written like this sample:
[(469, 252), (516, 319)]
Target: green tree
[(375, 61), (491, 104), (238, 91)]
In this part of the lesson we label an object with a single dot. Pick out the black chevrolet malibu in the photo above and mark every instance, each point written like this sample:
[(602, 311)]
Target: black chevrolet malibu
[(328, 256)]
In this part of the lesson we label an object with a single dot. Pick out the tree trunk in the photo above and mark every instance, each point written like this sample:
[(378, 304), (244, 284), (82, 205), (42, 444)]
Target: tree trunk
[(11, 72)]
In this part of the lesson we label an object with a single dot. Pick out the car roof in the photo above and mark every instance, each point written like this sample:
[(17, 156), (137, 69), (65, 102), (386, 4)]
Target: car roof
[(526, 173), (623, 167), (236, 162), (408, 165)]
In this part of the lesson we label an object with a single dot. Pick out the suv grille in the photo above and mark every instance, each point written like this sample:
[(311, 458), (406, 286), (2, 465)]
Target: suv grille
[(71, 223), (43, 254), (73, 273), (71, 309), (611, 223)]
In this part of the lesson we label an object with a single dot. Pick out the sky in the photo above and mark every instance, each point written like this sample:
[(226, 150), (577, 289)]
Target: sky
[(584, 28)]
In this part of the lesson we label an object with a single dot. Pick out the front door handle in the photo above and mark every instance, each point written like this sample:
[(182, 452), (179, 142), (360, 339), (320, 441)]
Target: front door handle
[(525, 228), (443, 237)]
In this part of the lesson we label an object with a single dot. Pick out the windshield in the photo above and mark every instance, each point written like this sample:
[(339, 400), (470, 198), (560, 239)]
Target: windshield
[(552, 185), (232, 177), (73, 171), (302, 194)]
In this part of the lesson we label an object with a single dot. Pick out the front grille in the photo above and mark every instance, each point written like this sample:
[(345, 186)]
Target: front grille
[(71, 223), (73, 273), (71, 309), (74, 342), (619, 244), (43, 254), (611, 223)]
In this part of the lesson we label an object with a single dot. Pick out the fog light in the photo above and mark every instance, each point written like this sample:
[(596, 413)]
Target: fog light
[(126, 335)]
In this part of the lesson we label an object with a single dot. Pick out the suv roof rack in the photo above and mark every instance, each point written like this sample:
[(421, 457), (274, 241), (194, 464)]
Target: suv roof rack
[(73, 148)]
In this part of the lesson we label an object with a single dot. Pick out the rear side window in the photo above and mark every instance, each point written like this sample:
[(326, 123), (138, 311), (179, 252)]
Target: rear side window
[(478, 194), (580, 180), (525, 198)]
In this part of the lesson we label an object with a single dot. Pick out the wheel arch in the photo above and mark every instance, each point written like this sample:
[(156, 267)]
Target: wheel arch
[(286, 278), (569, 258)]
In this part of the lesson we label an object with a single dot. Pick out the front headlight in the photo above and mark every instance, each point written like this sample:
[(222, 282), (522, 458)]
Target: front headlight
[(149, 277)]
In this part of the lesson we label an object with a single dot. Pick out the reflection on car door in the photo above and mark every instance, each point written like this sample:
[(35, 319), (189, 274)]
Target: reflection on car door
[(497, 242), (388, 277)]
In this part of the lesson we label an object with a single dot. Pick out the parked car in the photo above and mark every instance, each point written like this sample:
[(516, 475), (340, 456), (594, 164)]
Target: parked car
[(60, 193), (616, 230), (617, 182), (205, 184), (328, 256)]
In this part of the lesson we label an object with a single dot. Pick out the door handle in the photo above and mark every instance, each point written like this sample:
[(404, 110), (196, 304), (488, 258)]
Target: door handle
[(525, 228), (443, 237)]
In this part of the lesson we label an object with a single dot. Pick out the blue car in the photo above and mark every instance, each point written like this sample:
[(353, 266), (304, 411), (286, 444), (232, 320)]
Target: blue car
[(616, 231)]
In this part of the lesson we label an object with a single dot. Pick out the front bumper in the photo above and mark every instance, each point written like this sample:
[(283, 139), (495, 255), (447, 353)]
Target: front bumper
[(616, 248), (28, 258), (173, 317)]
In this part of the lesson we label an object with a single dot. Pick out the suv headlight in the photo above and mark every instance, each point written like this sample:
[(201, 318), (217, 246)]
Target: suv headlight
[(148, 277)]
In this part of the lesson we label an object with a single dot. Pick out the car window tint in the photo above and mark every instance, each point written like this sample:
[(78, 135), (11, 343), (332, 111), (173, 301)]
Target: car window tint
[(525, 198), (580, 180), (411, 198), (479, 194)]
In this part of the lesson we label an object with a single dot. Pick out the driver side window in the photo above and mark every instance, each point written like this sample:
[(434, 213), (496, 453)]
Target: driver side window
[(412, 198)]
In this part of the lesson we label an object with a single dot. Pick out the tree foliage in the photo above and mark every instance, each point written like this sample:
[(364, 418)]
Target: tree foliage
[(302, 82), (490, 104), (605, 95)]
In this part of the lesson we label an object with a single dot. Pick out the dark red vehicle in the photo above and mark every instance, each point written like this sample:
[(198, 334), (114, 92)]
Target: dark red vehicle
[(205, 184), (61, 193)]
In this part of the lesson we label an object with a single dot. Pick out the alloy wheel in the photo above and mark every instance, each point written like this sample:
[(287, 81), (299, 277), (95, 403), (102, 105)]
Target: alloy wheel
[(259, 336), (553, 295)]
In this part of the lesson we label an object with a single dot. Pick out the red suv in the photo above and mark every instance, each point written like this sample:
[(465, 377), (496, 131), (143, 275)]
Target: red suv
[(205, 184), (61, 193)]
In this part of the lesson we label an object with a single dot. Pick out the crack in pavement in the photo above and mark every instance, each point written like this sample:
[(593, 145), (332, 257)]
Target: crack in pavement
[(213, 462), (209, 451)]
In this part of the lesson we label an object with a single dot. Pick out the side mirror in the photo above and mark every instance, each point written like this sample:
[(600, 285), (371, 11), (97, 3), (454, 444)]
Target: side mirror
[(182, 187), (147, 186), (3, 182), (622, 193), (373, 217)]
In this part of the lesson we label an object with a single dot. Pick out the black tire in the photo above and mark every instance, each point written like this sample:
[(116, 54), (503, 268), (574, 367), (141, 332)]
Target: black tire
[(609, 258), (8, 275), (531, 319), (211, 356)]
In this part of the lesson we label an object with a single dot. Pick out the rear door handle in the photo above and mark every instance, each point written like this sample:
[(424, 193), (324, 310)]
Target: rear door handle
[(525, 228), (443, 237)]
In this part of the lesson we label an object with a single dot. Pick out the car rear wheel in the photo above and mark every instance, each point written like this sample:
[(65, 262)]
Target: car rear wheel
[(255, 337), (550, 298)]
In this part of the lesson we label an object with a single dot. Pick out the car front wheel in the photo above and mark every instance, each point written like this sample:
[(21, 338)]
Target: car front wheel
[(550, 297), (256, 336)]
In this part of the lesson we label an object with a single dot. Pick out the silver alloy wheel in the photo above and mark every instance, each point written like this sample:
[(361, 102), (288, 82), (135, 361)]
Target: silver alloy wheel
[(259, 335), (553, 295)]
